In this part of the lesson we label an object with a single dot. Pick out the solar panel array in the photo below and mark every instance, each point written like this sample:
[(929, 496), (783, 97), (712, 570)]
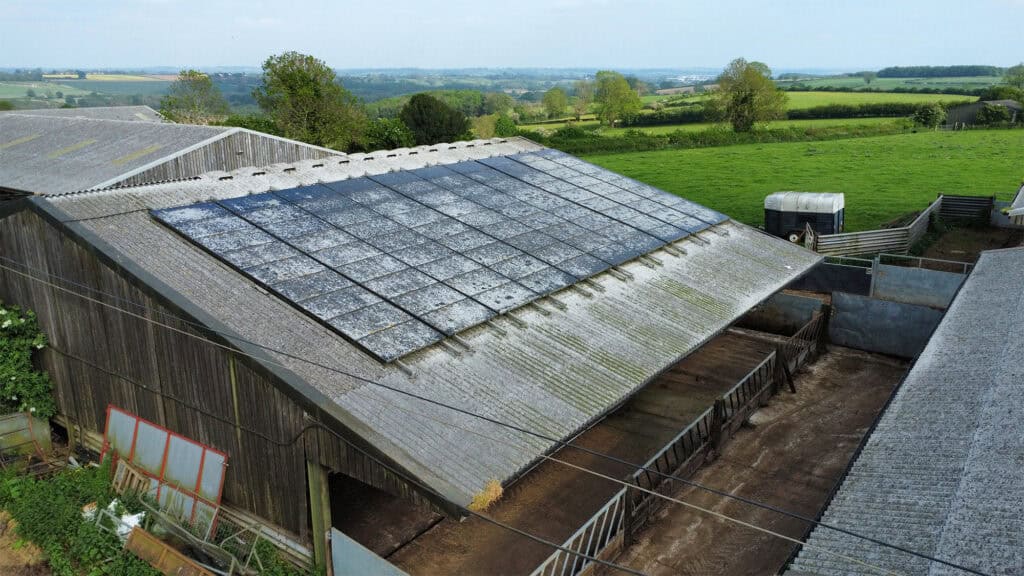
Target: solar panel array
[(398, 261)]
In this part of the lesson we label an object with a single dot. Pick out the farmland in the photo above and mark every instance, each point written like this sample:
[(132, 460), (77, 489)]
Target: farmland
[(882, 177), (857, 83)]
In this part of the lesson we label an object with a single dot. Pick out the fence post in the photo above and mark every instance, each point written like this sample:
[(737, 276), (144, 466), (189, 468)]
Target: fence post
[(823, 340), (628, 518), (717, 424)]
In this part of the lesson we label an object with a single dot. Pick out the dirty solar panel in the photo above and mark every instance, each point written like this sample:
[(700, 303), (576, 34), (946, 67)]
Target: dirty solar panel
[(398, 261)]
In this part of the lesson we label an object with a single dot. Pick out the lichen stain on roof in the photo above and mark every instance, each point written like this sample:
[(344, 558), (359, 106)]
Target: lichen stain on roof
[(552, 369), (941, 473)]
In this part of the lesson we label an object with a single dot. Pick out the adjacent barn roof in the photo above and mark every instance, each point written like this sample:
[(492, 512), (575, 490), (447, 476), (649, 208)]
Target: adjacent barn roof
[(127, 113), (941, 473), (52, 154), (1017, 205), (552, 366)]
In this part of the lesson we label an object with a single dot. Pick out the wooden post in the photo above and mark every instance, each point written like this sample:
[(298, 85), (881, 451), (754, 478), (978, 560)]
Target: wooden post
[(826, 312), (319, 509), (718, 424)]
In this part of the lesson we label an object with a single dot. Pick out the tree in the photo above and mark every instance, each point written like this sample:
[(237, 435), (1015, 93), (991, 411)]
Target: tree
[(504, 127), (1015, 76), (992, 114), (930, 115), (59, 94), (387, 134), (432, 121), (584, 95), (746, 96), (555, 101), (6, 105), (193, 99), (868, 77), (498, 103), (306, 102), (615, 99), (31, 93)]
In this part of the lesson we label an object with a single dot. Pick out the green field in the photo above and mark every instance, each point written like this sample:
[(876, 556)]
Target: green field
[(18, 89), (668, 129), (964, 83), (882, 177), (145, 87), (800, 100)]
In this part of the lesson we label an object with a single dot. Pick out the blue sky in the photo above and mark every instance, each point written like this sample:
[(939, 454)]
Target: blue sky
[(836, 34)]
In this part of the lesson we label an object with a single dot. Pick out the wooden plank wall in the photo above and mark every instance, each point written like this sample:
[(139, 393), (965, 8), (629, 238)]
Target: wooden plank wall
[(100, 356), (234, 151)]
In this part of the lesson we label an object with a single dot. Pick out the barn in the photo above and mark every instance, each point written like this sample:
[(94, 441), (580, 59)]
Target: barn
[(46, 152), (320, 319), (966, 114)]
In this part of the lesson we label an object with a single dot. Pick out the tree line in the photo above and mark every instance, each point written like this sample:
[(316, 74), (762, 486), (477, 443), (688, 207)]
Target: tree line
[(939, 71)]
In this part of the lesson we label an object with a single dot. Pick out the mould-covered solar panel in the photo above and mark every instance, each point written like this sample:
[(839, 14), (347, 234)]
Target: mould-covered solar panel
[(397, 261)]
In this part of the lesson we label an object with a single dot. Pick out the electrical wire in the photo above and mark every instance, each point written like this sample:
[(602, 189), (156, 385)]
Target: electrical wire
[(463, 411)]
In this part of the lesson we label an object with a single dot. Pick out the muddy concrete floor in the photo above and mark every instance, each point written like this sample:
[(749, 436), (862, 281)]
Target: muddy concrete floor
[(966, 244), (790, 456)]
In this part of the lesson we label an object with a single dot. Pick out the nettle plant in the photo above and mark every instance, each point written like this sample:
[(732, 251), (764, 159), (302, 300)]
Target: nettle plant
[(22, 387)]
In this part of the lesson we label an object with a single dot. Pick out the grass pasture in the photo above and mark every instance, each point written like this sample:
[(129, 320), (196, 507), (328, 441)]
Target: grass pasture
[(882, 177), (11, 90), (801, 100), (848, 83), (147, 87)]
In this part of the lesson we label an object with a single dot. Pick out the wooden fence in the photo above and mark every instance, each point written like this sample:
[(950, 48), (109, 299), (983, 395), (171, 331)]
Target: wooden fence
[(873, 241), (615, 524)]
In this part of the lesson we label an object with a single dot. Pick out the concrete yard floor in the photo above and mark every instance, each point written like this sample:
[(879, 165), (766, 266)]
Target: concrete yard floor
[(552, 500), (790, 456), (966, 244)]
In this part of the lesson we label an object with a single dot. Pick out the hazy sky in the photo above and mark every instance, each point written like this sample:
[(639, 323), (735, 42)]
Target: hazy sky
[(511, 33)]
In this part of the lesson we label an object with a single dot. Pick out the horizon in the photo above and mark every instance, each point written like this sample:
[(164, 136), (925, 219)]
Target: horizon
[(533, 34)]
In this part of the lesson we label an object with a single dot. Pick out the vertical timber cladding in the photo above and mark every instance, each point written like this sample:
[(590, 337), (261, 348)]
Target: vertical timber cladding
[(99, 356), (236, 150)]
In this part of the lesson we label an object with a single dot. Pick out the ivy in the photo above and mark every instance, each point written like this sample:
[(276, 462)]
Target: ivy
[(22, 387)]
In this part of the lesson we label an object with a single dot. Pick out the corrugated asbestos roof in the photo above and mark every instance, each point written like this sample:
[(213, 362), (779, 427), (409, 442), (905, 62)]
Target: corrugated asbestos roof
[(50, 154), (126, 113), (552, 368), (1017, 206), (941, 473), (54, 155)]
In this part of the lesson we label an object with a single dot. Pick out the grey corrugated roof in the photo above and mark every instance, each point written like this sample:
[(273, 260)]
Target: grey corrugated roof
[(126, 113), (548, 368), (49, 155), (941, 473), (54, 155), (1017, 205)]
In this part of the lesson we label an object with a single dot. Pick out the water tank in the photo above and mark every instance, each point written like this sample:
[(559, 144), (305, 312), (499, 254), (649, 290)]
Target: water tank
[(787, 213)]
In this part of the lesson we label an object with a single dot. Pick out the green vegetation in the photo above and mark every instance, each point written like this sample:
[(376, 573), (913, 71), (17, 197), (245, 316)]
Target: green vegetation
[(22, 387), (1015, 76), (49, 514), (616, 100), (882, 177), (962, 84), (555, 101), (431, 120), (302, 97), (746, 96), (194, 99)]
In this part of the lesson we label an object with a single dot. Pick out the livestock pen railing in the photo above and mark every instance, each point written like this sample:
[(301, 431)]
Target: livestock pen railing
[(807, 341), (873, 241), (597, 537), (614, 525)]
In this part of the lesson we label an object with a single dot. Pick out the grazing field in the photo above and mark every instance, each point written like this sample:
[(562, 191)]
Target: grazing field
[(800, 100), (144, 87), (120, 77), (697, 127), (848, 83), (19, 89), (883, 177)]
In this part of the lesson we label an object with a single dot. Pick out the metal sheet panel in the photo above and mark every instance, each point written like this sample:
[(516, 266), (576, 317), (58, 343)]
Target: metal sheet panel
[(349, 557)]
